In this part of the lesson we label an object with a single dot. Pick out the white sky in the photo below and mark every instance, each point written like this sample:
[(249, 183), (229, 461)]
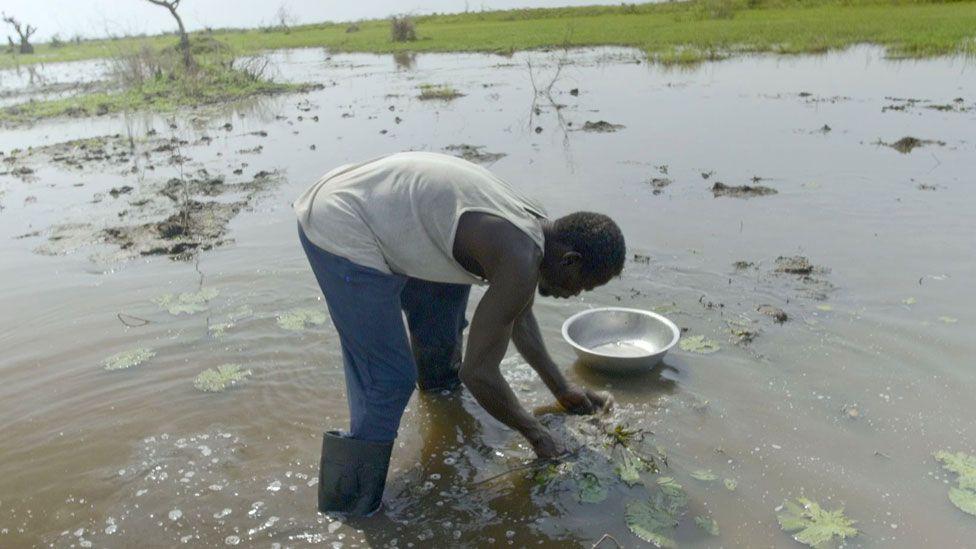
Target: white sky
[(93, 18)]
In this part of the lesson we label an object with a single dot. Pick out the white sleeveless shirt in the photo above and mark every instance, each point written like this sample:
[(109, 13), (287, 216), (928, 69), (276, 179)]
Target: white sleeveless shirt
[(399, 213)]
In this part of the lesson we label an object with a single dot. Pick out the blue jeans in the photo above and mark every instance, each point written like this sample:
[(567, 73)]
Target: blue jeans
[(381, 363)]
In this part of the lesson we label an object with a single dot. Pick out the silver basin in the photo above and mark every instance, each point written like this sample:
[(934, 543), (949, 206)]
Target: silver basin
[(620, 340)]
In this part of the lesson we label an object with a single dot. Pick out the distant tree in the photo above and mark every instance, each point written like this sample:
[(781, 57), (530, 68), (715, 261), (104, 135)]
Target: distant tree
[(172, 5), (24, 32), (286, 19)]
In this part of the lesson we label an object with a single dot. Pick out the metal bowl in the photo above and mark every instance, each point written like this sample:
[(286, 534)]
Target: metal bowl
[(620, 340)]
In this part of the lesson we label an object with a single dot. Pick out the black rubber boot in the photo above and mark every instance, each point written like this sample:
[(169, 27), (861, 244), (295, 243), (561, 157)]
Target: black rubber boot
[(352, 475), (437, 367)]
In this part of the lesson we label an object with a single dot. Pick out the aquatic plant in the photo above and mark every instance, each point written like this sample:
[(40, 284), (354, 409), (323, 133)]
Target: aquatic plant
[(813, 525), (128, 359), (699, 344), (189, 303), (731, 484), (591, 490), (440, 92), (707, 524), (301, 318), (215, 380), (963, 465), (704, 475), (654, 519)]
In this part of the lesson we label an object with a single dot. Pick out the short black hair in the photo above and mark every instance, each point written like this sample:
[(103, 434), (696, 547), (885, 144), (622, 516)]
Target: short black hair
[(598, 239)]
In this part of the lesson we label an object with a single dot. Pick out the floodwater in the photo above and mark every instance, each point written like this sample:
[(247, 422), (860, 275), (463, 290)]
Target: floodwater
[(843, 403)]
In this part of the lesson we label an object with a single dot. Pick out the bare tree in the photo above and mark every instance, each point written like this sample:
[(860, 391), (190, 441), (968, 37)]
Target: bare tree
[(172, 5), (24, 32), (286, 19)]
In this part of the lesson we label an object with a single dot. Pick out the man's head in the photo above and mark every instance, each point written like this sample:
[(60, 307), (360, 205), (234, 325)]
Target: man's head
[(583, 250)]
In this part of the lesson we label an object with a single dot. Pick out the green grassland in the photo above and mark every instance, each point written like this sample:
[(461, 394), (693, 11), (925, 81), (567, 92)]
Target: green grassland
[(681, 31)]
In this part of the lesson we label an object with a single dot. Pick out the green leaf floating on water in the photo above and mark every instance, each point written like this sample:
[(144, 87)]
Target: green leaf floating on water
[(707, 524), (962, 464), (698, 344), (965, 500), (188, 303), (591, 490), (812, 525), (128, 359), (217, 379), (731, 484), (629, 466), (653, 520), (704, 475), (301, 318)]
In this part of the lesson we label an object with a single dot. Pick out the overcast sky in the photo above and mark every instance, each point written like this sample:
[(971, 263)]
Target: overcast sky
[(93, 18)]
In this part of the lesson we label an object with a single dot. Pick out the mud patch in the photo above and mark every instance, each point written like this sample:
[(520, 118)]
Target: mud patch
[(741, 191), (777, 314), (658, 184), (474, 153)]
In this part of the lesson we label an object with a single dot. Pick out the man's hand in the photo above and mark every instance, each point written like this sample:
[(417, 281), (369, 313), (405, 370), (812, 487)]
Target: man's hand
[(577, 400), (545, 445)]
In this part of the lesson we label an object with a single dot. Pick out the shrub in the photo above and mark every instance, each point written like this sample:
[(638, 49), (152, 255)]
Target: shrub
[(402, 29)]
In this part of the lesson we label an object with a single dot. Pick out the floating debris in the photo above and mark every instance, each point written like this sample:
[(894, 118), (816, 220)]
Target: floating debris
[(741, 191), (189, 303), (731, 484), (601, 126), (441, 92), (215, 380), (779, 315), (301, 318), (474, 153), (128, 359), (699, 344), (796, 264), (812, 525), (906, 144)]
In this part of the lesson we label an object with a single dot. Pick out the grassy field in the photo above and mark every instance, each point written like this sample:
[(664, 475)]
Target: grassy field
[(670, 32)]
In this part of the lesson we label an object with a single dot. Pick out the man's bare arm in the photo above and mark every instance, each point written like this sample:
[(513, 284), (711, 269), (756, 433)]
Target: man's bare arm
[(491, 329)]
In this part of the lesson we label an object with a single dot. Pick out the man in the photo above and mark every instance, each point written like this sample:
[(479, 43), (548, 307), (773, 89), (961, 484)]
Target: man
[(410, 233)]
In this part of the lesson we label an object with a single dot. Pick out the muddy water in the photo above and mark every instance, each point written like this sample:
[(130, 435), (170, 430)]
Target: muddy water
[(843, 403)]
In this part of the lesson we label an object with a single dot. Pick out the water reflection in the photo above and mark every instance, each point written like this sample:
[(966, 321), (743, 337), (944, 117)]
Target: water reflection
[(404, 60)]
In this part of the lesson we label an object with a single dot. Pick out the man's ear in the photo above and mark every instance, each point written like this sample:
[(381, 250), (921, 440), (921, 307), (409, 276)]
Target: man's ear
[(570, 258)]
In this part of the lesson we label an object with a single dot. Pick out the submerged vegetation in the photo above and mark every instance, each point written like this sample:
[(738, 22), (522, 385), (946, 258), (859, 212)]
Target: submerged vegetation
[(670, 32), (215, 380), (963, 495), (128, 359)]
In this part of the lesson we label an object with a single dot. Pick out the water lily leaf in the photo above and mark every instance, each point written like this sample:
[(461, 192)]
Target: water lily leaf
[(707, 524), (128, 359), (189, 303), (962, 464), (813, 525), (591, 490), (653, 520), (301, 318), (965, 500), (704, 475), (650, 523), (698, 344), (215, 380), (629, 467), (731, 484)]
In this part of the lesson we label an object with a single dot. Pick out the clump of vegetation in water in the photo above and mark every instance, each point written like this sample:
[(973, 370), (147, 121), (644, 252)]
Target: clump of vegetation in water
[(188, 303), (215, 380), (812, 525), (301, 318), (441, 92), (162, 81), (708, 524), (699, 344), (128, 359), (963, 495)]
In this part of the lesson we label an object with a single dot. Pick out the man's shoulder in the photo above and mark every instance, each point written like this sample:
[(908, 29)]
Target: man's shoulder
[(496, 242)]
